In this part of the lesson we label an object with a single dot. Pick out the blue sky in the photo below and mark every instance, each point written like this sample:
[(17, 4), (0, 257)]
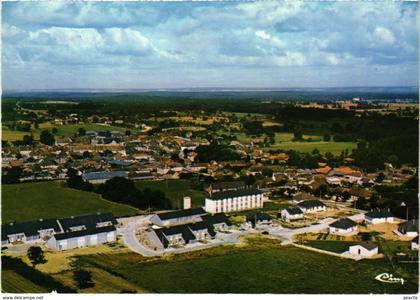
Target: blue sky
[(53, 45)]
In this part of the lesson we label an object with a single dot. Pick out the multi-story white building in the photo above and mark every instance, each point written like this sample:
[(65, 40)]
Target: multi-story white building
[(234, 200)]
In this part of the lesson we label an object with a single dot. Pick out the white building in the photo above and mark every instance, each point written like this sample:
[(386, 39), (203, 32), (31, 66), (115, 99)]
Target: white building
[(344, 226), (364, 249), (291, 213), (312, 206), (409, 228), (377, 216), (236, 200)]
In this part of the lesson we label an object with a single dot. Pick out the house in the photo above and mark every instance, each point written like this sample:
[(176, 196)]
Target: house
[(364, 249), (312, 206), (376, 216), (409, 228), (64, 233), (234, 200), (220, 221), (291, 213), (303, 197), (27, 232), (82, 231), (102, 177), (202, 231), (415, 244), (225, 186), (343, 226), (177, 217), (259, 219), (175, 236)]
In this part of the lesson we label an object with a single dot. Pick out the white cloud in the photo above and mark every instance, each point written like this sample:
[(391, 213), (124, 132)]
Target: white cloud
[(384, 35), (272, 40)]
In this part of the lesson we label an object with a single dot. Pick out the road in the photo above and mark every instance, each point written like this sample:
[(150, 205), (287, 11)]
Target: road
[(285, 234)]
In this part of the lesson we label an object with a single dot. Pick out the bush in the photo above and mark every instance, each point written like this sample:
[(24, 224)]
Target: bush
[(83, 278)]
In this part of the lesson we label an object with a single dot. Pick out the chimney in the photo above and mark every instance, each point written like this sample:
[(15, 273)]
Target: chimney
[(187, 202)]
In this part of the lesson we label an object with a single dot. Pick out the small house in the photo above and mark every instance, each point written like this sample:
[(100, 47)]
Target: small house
[(377, 216), (259, 219), (312, 206), (343, 226), (364, 249), (409, 228), (177, 217), (291, 213)]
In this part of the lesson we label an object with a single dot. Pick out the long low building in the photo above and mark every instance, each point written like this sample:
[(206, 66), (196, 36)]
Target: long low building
[(184, 234), (234, 200), (177, 217), (64, 233)]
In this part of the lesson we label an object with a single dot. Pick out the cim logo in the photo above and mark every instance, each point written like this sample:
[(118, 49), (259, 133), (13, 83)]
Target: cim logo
[(389, 278)]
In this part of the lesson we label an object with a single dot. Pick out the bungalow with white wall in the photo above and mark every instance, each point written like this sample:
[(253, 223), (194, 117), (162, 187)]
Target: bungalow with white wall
[(291, 213), (343, 226), (409, 228), (259, 219), (64, 233), (364, 249), (177, 217), (312, 206), (376, 216)]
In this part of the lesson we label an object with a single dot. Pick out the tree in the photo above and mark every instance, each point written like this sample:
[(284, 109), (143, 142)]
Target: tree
[(267, 172), (47, 138), (327, 137), (128, 132), (27, 140), (83, 278), (54, 130), (297, 135), (36, 255), (81, 131), (77, 182), (12, 175)]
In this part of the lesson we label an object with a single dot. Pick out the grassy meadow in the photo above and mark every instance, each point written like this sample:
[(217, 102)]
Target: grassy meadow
[(261, 265), (30, 201), (175, 190)]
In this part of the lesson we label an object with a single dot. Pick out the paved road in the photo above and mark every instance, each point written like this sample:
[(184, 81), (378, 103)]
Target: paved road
[(285, 234), (129, 235)]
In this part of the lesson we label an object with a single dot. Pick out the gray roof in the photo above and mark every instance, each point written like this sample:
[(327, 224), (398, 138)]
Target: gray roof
[(310, 203), (344, 223), (60, 226), (409, 226), (181, 213), (235, 193), (227, 185), (104, 175), (368, 245), (379, 213), (294, 210), (73, 234)]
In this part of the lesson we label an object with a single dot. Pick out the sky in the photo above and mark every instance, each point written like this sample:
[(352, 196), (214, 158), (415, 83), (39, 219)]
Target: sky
[(160, 45)]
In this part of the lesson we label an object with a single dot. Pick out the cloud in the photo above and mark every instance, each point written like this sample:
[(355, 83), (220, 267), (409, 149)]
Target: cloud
[(178, 41), (384, 34)]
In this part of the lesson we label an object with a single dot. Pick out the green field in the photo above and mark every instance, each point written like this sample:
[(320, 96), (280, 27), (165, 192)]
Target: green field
[(12, 282), (30, 201), (261, 267), (285, 142), (64, 130), (332, 246), (175, 190)]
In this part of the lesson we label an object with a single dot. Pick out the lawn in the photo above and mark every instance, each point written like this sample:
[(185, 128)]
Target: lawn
[(285, 142), (175, 190), (11, 282), (30, 201), (259, 267), (64, 130), (332, 246)]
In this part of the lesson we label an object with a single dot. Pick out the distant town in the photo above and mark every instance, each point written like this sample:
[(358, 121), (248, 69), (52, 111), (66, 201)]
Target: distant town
[(100, 193)]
